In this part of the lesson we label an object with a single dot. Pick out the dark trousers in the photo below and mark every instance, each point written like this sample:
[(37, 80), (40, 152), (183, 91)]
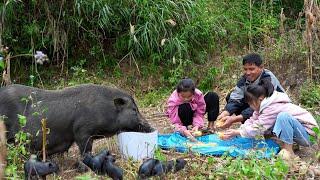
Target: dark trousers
[(239, 111), (185, 112)]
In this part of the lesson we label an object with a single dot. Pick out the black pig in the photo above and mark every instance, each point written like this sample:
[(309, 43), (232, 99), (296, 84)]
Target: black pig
[(77, 114)]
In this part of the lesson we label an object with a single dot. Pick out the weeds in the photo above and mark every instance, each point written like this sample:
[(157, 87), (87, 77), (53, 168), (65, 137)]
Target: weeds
[(152, 98), (147, 31), (310, 95), (17, 152), (85, 177)]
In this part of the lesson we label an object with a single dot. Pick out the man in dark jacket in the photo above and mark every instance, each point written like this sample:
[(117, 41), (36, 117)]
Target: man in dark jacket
[(254, 72)]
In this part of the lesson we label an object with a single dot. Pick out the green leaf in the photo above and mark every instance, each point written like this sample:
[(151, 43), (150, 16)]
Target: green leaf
[(24, 99), (22, 120), (37, 132), (36, 114), (23, 150), (312, 139), (2, 64), (210, 160), (23, 137), (316, 130)]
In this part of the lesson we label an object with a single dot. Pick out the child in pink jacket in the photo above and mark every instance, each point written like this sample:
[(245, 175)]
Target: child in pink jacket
[(187, 106), (274, 113)]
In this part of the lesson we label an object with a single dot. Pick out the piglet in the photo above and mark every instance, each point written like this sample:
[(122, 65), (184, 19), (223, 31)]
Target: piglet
[(95, 162), (158, 168), (146, 168), (168, 166), (112, 170), (180, 164), (33, 167)]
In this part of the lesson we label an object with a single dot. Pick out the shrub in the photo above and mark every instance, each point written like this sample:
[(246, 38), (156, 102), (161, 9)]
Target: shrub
[(310, 95)]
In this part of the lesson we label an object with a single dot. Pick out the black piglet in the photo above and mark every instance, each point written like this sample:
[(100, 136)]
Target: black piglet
[(95, 162), (180, 164), (112, 170), (146, 168), (35, 168)]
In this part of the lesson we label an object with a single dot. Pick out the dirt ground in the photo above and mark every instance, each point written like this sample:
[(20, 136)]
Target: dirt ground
[(155, 116)]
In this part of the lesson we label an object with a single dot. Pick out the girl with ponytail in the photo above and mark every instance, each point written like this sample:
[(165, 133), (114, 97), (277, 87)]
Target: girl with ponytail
[(187, 106), (275, 114)]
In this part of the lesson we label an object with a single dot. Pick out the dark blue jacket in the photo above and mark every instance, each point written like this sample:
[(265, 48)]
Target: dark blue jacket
[(237, 105)]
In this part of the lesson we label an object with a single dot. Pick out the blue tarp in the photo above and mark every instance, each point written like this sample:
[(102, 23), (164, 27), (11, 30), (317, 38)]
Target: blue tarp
[(213, 145)]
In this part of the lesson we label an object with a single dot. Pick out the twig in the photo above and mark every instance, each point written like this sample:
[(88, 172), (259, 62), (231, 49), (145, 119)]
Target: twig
[(197, 159), (159, 114), (44, 140), (6, 73)]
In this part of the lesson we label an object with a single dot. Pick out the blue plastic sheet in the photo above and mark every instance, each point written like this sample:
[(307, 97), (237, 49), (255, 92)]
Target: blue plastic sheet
[(213, 145)]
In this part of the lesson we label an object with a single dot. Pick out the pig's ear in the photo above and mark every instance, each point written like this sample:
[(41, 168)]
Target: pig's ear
[(120, 102)]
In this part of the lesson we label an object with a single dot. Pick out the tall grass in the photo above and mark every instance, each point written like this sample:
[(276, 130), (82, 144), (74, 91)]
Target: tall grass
[(153, 31), (178, 35)]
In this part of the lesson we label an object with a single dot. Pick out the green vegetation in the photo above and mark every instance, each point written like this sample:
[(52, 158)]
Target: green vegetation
[(230, 168), (310, 95), (17, 153), (146, 47), (81, 34)]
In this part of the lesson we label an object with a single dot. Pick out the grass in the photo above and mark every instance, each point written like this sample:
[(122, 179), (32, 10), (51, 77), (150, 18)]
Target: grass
[(310, 95), (153, 98), (201, 167)]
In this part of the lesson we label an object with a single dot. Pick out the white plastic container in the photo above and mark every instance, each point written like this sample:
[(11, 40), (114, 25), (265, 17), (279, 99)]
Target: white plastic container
[(137, 145)]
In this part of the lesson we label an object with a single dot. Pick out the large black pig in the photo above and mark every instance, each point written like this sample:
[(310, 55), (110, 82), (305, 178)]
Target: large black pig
[(76, 114)]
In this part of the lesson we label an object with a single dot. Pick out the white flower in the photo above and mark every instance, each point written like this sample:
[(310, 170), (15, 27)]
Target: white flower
[(163, 41), (172, 22), (40, 57), (131, 28)]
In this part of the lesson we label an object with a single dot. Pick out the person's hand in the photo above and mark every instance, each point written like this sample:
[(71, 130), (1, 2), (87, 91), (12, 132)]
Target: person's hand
[(195, 128), (223, 114), (188, 134), (230, 133), (228, 121)]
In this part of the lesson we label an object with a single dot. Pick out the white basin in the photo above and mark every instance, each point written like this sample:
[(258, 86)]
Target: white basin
[(137, 145)]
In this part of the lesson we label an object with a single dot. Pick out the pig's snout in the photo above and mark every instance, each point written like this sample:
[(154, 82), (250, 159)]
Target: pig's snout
[(144, 126)]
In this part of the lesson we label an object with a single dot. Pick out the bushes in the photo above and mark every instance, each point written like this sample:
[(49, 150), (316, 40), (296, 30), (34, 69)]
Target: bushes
[(152, 31), (310, 95)]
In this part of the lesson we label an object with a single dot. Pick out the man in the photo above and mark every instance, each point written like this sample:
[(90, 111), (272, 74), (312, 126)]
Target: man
[(253, 73)]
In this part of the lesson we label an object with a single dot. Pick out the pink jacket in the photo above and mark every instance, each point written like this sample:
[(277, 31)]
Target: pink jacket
[(262, 121), (197, 104)]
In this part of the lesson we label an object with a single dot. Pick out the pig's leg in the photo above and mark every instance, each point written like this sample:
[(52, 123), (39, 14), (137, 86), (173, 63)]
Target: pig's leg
[(84, 143)]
